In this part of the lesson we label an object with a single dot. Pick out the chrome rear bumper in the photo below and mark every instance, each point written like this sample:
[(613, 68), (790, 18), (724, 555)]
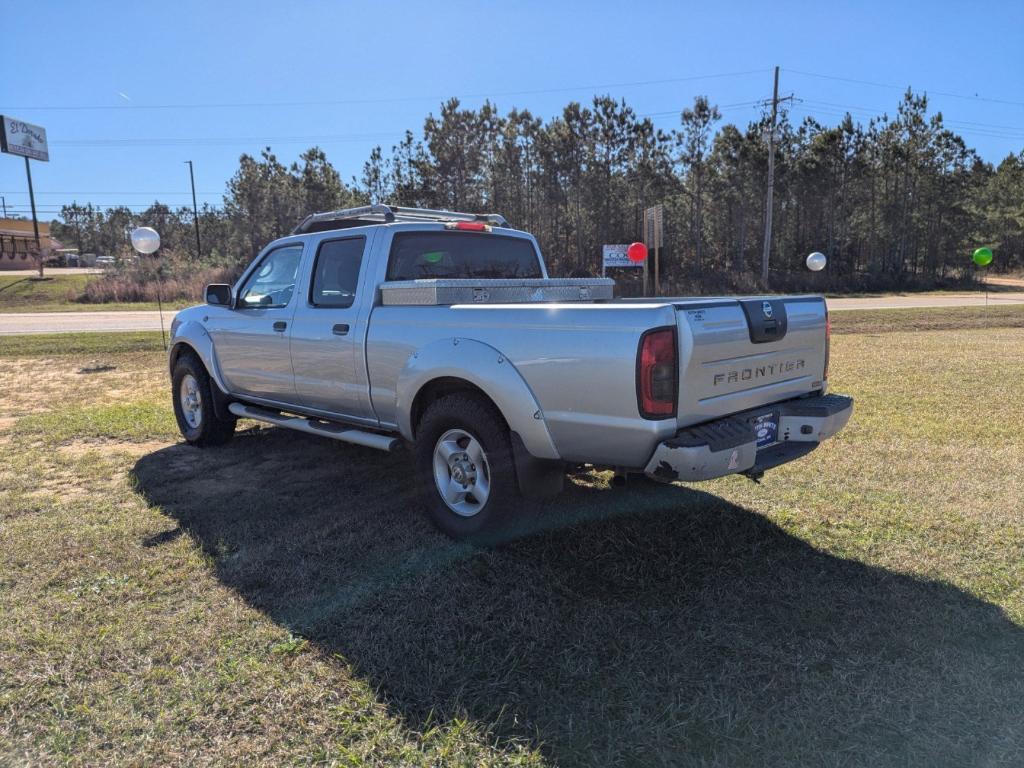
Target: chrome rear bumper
[(729, 446)]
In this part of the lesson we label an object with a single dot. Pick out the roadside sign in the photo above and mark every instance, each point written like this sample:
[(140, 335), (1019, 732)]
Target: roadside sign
[(20, 138), (654, 225), (28, 141), (654, 218), (615, 256)]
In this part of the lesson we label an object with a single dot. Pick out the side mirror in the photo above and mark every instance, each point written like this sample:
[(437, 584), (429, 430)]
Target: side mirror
[(219, 294)]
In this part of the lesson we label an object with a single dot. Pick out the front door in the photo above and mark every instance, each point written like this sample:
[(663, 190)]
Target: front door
[(329, 330), (251, 340)]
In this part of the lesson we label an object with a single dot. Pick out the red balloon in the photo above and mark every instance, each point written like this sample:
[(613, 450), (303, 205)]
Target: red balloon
[(636, 252)]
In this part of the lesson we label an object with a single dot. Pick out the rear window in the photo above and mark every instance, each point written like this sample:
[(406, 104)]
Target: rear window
[(428, 255)]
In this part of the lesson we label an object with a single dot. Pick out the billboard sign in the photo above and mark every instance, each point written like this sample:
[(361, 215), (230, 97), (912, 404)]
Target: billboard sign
[(615, 256), (20, 138)]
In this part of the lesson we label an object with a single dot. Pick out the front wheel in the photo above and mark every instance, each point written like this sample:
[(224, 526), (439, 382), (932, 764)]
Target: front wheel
[(465, 469), (192, 393)]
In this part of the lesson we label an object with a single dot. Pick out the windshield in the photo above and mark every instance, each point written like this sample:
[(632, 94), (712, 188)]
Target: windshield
[(425, 255)]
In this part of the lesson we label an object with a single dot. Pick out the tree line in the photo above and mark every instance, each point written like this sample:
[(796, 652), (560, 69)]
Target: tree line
[(898, 201)]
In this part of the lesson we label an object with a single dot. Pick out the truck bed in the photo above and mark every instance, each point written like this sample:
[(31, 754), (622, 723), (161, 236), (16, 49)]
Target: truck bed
[(579, 360)]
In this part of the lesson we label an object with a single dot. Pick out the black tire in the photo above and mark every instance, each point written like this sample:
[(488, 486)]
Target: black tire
[(209, 429), (474, 415)]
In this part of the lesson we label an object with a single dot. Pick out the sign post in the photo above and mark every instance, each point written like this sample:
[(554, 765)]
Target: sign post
[(654, 218), (29, 141)]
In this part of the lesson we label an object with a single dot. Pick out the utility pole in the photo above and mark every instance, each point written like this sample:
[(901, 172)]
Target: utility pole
[(35, 221), (4, 201), (769, 203), (195, 210)]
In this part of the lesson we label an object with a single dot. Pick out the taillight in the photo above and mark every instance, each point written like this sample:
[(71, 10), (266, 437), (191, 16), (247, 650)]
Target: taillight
[(657, 371), (828, 344), (468, 226)]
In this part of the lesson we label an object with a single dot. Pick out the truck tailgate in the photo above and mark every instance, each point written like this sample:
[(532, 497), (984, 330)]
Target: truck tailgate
[(739, 354)]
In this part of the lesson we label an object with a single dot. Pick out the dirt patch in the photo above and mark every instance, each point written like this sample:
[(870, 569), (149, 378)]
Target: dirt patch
[(33, 385), (80, 448)]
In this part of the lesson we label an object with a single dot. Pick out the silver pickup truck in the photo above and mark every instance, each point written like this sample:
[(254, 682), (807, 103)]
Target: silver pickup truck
[(382, 325)]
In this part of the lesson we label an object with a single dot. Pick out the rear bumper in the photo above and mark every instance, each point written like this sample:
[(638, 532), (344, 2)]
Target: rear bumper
[(729, 446)]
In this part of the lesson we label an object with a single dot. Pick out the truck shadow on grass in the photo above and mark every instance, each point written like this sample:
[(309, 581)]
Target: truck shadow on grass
[(642, 627)]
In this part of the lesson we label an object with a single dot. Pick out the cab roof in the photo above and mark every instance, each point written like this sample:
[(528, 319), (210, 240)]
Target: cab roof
[(388, 214)]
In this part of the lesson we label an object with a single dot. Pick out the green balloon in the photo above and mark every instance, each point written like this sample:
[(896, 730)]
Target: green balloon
[(983, 257)]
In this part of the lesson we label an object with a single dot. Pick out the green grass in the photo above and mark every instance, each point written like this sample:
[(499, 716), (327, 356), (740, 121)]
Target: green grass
[(124, 421), (281, 600), (927, 319), (49, 344), (26, 294), (60, 293)]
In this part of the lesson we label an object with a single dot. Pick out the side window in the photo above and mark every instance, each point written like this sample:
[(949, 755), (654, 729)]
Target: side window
[(336, 272), (273, 282)]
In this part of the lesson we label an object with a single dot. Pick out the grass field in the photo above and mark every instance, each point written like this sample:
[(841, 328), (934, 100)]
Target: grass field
[(930, 319), (58, 293), (280, 600)]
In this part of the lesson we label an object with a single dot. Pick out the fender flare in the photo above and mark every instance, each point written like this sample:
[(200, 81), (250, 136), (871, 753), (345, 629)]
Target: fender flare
[(489, 370), (194, 337)]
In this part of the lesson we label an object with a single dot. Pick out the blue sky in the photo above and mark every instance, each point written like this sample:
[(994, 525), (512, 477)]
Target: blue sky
[(348, 76)]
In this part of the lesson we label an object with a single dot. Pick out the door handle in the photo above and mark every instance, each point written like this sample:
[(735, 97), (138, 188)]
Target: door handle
[(341, 329), (280, 325)]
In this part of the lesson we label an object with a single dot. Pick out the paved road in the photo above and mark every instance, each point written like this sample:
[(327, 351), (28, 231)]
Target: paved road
[(52, 271), (62, 322), (66, 322)]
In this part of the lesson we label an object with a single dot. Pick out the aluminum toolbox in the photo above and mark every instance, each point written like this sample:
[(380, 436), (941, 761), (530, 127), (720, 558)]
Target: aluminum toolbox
[(449, 291)]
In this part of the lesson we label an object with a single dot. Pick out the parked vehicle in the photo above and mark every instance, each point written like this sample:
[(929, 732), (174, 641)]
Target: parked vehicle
[(382, 325)]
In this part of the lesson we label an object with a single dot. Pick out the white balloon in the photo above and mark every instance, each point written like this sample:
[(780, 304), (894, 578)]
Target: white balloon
[(816, 261), (145, 240)]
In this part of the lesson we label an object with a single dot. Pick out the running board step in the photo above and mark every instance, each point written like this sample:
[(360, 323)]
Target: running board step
[(330, 429)]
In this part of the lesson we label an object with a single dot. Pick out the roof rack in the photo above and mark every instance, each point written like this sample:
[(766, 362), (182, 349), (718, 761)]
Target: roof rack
[(387, 214)]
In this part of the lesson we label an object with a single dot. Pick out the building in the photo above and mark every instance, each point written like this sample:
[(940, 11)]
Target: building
[(18, 243)]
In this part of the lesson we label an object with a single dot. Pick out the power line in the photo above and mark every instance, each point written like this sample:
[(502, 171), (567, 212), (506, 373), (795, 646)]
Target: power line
[(313, 139), (951, 124), (390, 99), (498, 94), (945, 121), (192, 141), (125, 205), (949, 94), (720, 107), (126, 193), (322, 138)]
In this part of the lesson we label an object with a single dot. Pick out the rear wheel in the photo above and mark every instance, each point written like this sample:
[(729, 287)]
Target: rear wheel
[(192, 394), (465, 469)]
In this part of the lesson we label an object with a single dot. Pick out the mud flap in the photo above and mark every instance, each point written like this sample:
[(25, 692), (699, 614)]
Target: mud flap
[(537, 478)]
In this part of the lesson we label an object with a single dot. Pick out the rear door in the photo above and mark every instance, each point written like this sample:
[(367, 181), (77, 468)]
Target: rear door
[(251, 339), (736, 355), (329, 328)]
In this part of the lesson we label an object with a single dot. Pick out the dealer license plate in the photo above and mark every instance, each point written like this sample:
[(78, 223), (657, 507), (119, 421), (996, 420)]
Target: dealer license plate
[(766, 427)]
